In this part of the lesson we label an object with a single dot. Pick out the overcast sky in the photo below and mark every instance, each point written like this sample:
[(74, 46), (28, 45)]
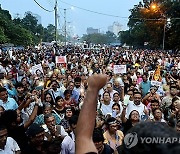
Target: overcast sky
[(77, 19)]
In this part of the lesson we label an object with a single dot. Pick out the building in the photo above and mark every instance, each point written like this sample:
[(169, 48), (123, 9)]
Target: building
[(115, 28), (38, 17), (91, 30)]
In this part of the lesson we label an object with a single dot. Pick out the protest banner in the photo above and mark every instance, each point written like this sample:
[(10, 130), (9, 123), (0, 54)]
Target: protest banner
[(61, 60), (36, 69), (119, 69)]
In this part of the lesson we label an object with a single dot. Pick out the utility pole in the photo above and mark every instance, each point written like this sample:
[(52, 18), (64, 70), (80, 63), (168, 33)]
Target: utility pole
[(65, 26), (55, 8)]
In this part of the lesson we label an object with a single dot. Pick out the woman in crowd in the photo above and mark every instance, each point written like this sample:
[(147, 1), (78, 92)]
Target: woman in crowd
[(133, 119), (68, 101), (112, 136), (69, 112)]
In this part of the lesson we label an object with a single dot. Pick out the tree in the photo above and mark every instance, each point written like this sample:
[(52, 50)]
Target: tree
[(146, 24)]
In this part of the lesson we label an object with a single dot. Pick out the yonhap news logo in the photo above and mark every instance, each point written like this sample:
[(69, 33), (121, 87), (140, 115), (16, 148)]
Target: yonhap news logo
[(131, 140)]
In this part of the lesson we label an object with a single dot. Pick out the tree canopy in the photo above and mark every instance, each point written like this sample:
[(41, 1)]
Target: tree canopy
[(151, 22)]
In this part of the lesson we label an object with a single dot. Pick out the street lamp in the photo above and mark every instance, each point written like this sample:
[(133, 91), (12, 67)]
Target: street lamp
[(164, 31), (65, 23)]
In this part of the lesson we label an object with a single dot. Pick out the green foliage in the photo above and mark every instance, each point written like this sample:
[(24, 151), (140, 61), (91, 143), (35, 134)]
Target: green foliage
[(147, 25), (24, 31), (99, 38)]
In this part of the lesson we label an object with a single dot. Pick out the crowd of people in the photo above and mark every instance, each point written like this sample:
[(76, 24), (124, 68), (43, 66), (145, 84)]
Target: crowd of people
[(42, 100)]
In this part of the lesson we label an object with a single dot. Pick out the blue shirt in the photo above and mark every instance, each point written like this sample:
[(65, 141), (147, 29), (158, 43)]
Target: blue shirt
[(11, 104)]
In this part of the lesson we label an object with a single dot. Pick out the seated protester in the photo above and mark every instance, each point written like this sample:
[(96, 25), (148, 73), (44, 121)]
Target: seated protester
[(69, 112), (11, 119), (47, 108), (54, 131), (54, 90), (59, 107), (154, 104), (112, 136), (173, 109), (98, 140), (167, 100), (137, 105), (7, 144), (48, 98), (158, 116), (106, 106), (7, 102), (75, 94), (152, 95), (68, 100), (116, 99), (20, 92), (73, 122), (133, 119), (36, 143)]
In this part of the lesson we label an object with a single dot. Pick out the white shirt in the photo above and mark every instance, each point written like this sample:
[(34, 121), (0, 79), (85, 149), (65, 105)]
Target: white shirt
[(67, 146), (11, 147), (62, 131), (107, 108), (131, 106)]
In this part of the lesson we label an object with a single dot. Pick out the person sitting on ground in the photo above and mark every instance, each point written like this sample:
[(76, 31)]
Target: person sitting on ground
[(112, 136), (98, 140), (7, 144)]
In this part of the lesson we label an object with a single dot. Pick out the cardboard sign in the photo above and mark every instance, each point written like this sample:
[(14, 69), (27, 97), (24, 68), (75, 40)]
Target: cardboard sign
[(36, 69), (119, 69), (61, 60)]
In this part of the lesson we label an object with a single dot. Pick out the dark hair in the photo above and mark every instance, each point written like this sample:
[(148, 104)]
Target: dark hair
[(2, 89), (152, 130), (2, 127), (131, 113), (109, 121), (175, 99), (19, 84), (154, 101), (137, 92), (77, 79), (58, 98), (67, 92), (73, 120), (116, 104), (98, 135), (8, 117), (173, 87), (107, 93)]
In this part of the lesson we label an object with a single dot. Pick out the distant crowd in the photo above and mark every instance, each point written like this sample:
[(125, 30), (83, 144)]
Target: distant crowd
[(42, 92)]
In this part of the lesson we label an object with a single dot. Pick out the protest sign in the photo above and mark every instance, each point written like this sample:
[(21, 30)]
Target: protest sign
[(119, 69), (36, 69), (61, 60)]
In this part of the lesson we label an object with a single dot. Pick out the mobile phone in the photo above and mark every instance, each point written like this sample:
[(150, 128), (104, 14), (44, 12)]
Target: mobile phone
[(114, 113)]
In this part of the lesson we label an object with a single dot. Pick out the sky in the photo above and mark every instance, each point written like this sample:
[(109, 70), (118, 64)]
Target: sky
[(77, 18)]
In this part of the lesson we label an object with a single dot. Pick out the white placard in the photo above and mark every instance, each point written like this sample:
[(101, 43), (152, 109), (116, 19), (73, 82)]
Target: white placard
[(36, 69), (119, 69), (61, 60)]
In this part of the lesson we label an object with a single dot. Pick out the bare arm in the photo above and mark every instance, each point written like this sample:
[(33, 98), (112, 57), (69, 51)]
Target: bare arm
[(33, 115), (86, 121), (123, 118)]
